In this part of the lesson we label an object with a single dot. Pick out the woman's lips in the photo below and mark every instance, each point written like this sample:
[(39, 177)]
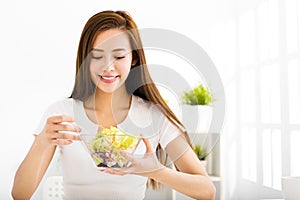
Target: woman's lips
[(108, 79)]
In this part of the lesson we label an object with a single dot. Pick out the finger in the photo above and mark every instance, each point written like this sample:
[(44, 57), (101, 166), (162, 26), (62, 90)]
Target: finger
[(65, 127), (65, 136), (62, 142), (70, 136), (128, 170), (60, 119), (149, 148), (112, 171)]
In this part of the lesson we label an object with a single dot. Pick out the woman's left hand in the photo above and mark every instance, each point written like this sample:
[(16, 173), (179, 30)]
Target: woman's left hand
[(144, 166)]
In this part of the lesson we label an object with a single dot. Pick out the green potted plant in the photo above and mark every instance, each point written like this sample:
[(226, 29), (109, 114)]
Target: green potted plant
[(199, 95), (197, 109), (201, 153)]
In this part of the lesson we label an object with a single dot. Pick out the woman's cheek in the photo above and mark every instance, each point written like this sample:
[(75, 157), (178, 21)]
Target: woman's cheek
[(94, 67), (125, 66), (124, 69), (94, 73)]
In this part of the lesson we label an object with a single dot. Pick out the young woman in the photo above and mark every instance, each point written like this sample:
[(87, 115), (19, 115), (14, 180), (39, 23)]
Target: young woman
[(113, 88)]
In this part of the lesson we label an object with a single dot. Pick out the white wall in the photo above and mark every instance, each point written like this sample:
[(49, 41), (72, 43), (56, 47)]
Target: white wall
[(38, 46)]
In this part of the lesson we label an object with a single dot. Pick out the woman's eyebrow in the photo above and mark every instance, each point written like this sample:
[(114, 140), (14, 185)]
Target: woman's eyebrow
[(119, 49), (114, 50), (94, 49)]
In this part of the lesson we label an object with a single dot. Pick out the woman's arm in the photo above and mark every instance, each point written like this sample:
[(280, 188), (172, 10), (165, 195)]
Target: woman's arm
[(193, 185), (31, 170), (191, 179), (36, 162)]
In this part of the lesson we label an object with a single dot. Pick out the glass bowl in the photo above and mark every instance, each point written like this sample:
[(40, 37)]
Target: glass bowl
[(105, 147)]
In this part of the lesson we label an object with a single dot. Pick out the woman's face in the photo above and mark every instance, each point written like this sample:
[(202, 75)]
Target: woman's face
[(111, 59)]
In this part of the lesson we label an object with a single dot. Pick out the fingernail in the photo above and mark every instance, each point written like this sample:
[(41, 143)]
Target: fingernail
[(69, 141)]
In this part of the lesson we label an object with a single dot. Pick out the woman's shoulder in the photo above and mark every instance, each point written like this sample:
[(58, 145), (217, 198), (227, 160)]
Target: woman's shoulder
[(62, 102), (144, 105), (61, 105), (146, 110)]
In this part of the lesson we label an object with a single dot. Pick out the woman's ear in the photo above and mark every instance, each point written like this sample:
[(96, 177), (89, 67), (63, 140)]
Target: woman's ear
[(134, 58), (134, 61)]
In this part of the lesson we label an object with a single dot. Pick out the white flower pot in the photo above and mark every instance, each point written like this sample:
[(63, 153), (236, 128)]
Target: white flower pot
[(290, 187), (197, 118), (204, 163)]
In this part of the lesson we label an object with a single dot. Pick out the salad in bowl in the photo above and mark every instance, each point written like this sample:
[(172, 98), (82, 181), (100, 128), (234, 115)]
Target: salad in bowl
[(106, 145)]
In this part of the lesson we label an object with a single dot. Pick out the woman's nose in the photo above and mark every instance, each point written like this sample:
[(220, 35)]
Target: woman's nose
[(109, 66)]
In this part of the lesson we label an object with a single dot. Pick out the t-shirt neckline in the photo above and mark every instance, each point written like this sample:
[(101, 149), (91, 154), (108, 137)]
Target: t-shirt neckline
[(91, 123)]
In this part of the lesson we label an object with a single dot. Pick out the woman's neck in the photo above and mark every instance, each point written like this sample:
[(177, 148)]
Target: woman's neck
[(108, 108), (102, 101)]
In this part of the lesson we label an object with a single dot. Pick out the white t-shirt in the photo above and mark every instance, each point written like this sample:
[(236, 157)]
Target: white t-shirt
[(81, 179)]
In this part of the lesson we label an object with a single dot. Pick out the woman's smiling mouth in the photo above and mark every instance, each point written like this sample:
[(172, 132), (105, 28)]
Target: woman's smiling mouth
[(108, 79)]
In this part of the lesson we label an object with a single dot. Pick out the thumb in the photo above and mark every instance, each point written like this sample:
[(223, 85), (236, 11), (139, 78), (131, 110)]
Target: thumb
[(149, 148)]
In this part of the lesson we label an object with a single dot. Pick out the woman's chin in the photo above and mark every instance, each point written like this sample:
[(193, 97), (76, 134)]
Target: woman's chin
[(108, 89)]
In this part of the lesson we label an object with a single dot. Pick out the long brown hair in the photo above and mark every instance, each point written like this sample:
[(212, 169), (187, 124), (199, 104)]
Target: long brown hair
[(146, 89)]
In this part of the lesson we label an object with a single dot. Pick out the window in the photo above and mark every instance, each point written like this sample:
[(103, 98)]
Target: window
[(263, 73)]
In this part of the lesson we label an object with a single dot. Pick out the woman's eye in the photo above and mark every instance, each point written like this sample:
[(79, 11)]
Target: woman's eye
[(119, 57), (97, 57)]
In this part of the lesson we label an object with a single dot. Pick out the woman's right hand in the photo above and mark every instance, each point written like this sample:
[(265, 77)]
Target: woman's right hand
[(52, 133), (58, 130)]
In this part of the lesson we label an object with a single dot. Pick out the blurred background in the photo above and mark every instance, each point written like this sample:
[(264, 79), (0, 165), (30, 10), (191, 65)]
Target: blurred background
[(254, 45)]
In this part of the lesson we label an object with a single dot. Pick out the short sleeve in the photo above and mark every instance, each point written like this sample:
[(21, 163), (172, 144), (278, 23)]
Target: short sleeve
[(64, 107), (168, 133)]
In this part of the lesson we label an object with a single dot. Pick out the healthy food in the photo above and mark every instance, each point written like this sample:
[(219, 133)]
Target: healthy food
[(105, 148)]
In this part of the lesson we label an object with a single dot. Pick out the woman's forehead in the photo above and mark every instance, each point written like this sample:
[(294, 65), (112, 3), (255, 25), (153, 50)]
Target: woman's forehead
[(112, 40)]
